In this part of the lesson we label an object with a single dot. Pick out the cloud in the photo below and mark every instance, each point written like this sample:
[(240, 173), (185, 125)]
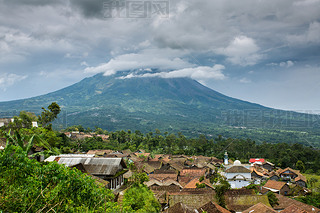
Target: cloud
[(245, 80), (310, 36), (242, 51), (200, 73), (146, 59), (7, 80), (285, 64)]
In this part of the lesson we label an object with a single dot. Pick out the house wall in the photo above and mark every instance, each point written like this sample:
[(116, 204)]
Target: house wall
[(301, 183), (117, 182), (237, 184), (285, 190), (231, 175)]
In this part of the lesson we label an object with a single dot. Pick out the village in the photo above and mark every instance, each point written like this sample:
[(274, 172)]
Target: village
[(184, 183), (187, 183)]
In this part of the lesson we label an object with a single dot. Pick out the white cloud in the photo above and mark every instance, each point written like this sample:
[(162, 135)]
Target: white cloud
[(200, 73), (7, 80), (245, 81), (242, 51), (286, 64), (146, 59)]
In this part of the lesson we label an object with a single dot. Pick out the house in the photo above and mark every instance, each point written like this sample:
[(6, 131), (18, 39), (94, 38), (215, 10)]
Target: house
[(165, 175), (293, 208), (180, 208), (279, 187), (212, 207), (288, 174), (257, 160), (238, 176), (285, 202), (260, 208), (301, 180), (194, 198), (268, 166), (195, 181), (5, 121), (109, 169), (99, 152), (257, 176), (165, 185), (274, 176), (193, 172), (238, 200)]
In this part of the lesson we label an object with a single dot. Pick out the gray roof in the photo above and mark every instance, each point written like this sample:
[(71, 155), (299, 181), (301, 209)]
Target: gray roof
[(96, 166), (238, 169)]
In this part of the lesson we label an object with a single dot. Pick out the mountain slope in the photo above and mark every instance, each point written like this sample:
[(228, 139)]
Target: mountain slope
[(177, 104)]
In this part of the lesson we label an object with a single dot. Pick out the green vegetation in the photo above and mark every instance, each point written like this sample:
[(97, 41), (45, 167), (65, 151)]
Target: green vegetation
[(170, 105), (138, 198), (281, 154), (273, 200), (28, 186)]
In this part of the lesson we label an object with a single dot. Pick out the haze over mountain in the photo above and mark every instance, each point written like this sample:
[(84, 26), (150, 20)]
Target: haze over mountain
[(118, 102)]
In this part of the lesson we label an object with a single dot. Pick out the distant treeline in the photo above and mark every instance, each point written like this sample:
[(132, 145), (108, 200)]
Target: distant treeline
[(281, 154)]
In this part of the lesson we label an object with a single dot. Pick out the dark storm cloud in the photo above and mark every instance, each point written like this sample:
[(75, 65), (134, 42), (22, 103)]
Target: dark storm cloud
[(90, 9), (33, 2)]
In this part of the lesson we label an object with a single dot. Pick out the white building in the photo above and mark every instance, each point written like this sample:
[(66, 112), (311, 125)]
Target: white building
[(238, 175)]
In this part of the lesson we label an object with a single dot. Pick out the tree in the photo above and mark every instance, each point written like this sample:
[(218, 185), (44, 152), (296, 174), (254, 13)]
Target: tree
[(273, 200), (220, 189), (300, 166), (140, 199), (49, 115), (29, 186)]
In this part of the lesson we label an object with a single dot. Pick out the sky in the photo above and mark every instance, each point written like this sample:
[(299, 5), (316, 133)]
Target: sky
[(262, 51)]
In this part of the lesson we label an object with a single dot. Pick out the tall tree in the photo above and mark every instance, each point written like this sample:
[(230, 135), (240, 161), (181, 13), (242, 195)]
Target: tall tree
[(47, 116)]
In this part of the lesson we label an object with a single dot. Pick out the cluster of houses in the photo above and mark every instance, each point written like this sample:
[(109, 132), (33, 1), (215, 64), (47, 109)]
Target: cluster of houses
[(82, 135), (182, 183)]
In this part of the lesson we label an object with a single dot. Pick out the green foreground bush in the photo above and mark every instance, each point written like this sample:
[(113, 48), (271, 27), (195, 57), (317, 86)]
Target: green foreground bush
[(29, 186)]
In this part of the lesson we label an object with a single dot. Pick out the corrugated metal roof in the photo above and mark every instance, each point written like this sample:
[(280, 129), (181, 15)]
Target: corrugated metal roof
[(71, 161), (96, 166)]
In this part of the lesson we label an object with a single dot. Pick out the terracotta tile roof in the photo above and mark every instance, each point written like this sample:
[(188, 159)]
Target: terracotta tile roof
[(184, 180), (163, 171), (192, 191), (238, 169), (107, 151), (163, 176), (177, 165), (280, 171), (239, 192), (293, 209), (166, 182), (256, 171), (193, 184), (212, 207), (273, 184), (194, 172), (156, 157), (300, 177), (285, 202), (239, 203), (259, 208), (180, 208)]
